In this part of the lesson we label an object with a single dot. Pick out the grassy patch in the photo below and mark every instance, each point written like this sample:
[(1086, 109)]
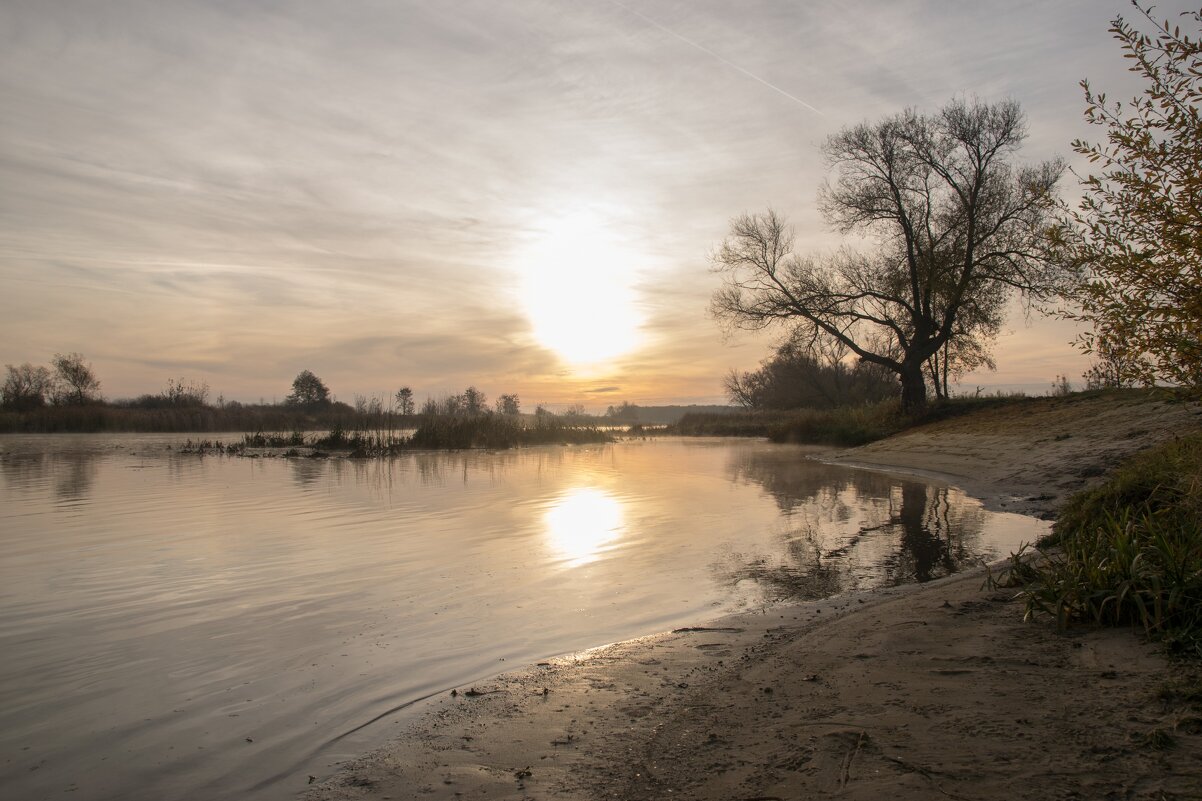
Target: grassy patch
[(845, 426), (1128, 552), (500, 431), (441, 432)]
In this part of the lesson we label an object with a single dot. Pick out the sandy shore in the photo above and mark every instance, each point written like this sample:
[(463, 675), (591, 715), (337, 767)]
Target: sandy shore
[(939, 691)]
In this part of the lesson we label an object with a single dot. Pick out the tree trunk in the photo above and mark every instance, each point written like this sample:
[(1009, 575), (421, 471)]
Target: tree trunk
[(914, 388)]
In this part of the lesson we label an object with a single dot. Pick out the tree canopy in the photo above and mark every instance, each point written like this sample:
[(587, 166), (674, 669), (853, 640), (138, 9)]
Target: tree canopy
[(76, 383), (1137, 234), (953, 227), (308, 390)]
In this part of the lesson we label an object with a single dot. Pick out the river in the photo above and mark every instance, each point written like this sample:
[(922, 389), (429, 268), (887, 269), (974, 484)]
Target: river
[(176, 626)]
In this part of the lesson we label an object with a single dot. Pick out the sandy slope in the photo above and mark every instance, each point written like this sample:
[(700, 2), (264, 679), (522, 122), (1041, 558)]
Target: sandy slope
[(933, 692), (1030, 458)]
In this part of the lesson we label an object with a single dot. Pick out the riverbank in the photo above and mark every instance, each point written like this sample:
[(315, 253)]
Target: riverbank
[(936, 691), (1029, 457)]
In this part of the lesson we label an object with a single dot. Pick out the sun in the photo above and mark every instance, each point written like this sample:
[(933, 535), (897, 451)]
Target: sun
[(577, 290)]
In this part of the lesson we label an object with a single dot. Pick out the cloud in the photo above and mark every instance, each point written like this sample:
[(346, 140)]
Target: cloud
[(247, 189)]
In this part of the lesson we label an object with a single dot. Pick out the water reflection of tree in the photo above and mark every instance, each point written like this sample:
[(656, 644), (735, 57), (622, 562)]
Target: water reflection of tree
[(307, 472), (853, 529), (70, 475), (429, 468)]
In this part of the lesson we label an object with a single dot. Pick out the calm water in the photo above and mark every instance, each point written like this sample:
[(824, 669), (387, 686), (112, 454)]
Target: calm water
[(178, 626)]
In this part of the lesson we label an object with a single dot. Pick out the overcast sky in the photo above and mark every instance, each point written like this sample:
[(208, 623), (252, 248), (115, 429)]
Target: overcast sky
[(516, 194)]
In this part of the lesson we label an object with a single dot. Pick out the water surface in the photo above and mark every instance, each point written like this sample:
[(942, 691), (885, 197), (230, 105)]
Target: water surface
[(179, 626)]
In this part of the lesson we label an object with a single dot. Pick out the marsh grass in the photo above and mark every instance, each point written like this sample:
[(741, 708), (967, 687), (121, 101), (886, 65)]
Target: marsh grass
[(845, 426), (433, 432), (495, 431), (1128, 552)]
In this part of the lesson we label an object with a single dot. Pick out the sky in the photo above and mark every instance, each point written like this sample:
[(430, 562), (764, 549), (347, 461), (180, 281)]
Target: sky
[(520, 196)]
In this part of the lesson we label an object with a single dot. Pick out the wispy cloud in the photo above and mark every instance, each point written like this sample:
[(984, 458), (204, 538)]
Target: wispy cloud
[(248, 189)]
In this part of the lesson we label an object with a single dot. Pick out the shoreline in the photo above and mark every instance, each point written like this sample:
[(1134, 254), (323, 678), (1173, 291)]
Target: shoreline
[(930, 690)]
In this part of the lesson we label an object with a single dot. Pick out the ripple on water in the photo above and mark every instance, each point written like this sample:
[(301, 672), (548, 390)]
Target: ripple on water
[(161, 609)]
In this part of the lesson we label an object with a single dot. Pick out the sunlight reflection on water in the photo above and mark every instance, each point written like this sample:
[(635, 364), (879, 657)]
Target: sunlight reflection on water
[(158, 609), (581, 523)]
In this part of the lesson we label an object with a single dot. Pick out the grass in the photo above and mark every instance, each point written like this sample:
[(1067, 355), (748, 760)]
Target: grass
[(845, 426), (490, 431), (1128, 552)]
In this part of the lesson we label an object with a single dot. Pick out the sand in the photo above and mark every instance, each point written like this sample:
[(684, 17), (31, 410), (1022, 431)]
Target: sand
[(937, 691)]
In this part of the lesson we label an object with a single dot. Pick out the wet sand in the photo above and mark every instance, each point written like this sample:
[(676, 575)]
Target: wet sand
[(938, 691)]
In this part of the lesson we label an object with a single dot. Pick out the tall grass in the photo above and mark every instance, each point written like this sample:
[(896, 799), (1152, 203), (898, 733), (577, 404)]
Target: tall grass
[(1128, 552), (437, 432), (845, 426)]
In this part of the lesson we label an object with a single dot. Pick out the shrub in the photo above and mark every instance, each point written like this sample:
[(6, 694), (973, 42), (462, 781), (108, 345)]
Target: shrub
[(1128, 552)]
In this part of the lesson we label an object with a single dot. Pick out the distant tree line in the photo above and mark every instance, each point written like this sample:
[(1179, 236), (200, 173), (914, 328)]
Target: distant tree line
[(67, 382), (66, 397)]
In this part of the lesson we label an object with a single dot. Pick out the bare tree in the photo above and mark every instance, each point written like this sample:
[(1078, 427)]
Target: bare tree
[(955, 226), (26, 387), (77, 383)]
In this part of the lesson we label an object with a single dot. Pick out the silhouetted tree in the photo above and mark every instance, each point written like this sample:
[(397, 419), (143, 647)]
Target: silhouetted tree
[(308, 390), (625, 411), (76, 382), (185, 392), (474, 401), (26, 387), (956, 225), (509, 404), (798, 375), (404, 401)]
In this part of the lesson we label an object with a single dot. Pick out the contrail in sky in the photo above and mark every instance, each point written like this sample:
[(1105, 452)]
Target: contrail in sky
[(712, 54)]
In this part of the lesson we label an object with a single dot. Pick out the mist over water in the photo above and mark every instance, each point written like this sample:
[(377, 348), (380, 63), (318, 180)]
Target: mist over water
[(178, 626)]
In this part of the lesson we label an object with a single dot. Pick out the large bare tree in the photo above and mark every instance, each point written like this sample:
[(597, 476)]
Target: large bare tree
[(948, 227)]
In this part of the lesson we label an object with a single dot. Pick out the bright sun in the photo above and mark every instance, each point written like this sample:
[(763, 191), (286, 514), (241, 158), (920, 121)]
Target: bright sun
[(578, 291)]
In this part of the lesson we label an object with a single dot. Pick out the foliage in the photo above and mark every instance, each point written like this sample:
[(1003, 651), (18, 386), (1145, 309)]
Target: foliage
[(308, 390), (956, 225), (1115, 368), (509, 404), (180, 392), (404, 401), (799, 375), (1129, 551), (474, 401), (495, 431), (26, 387), (1137, 234), (76, 383), (625, 411), (845, 426)]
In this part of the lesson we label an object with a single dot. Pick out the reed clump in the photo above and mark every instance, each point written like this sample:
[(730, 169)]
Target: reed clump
[(1128, 552), (499, 432), (435, 432)]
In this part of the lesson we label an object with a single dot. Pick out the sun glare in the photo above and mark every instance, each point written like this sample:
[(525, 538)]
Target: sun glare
[(578, 292), (581, 523)]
